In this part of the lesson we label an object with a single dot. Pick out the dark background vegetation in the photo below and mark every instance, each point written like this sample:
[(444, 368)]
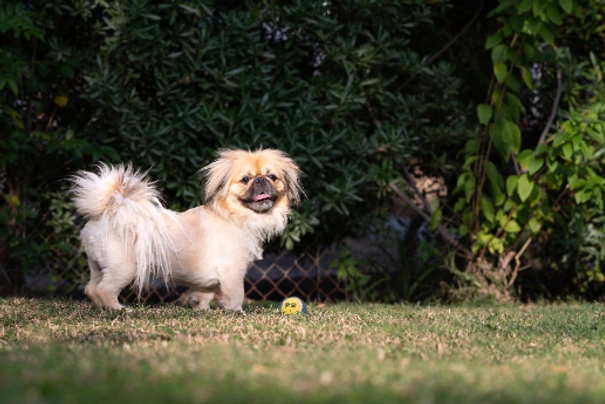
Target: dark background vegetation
[(359, 93)]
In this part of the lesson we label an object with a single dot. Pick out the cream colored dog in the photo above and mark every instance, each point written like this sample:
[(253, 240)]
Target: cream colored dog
[(130, 236)]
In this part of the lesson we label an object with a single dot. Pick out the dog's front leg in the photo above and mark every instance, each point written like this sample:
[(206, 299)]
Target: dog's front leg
[(231, 295)]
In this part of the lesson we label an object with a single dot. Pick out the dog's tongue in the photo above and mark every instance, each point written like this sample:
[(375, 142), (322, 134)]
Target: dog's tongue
[(261, 197)]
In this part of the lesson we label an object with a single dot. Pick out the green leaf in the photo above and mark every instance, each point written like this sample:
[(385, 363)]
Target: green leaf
[(527, 77), (582, 196), (469, 187), (151, 16), (511, 184), (434, 204), (499, 196), (496, 96), (498, 54), (190, 9), (517, 23), (576, 183), (515, 137), (532, 26), (487, 208), (552, 12), (593, 134), (470, 160), (501, 217), (483, 238), (470, 147), (524, 187), (12, 85), (552, 165), (501, 72), (493, 40), (534, 225), (458, 206), (513, 83), (547, 34), (369, 82), (435, 217), (504, 5), (501, 140), (494, 176), (508, 205), (541, 149), (496, 245), (512, 227), (587, 150), (525, 6), (535, 164), (484, 112), (566, 5), (524, 158), (561, 138), (567, 150), (463, 230), (515, 105)]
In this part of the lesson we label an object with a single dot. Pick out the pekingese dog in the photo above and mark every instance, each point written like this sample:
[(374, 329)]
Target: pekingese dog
[(130, 236)]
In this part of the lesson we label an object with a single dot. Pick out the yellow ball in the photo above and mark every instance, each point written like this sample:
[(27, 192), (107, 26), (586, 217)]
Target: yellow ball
[(292, 305), (61, 100)]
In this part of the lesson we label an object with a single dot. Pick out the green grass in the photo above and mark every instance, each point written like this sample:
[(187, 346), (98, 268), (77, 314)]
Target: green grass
[(68, 351)]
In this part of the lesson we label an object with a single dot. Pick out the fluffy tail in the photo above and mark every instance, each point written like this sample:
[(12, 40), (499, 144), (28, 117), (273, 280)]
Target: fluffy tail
[(128, 205)]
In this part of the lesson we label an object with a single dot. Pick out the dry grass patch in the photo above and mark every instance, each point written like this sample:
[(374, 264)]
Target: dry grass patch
[(58, 350)]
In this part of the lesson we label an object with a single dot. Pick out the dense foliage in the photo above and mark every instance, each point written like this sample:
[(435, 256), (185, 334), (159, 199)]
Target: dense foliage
[(362, 95), (523, 192), (165, 85)]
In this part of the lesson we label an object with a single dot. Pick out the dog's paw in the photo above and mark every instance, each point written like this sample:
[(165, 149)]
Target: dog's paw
[(127, 309)]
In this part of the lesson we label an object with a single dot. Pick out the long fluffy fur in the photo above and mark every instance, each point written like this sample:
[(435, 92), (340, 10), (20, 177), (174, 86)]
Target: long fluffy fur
[(127, 203)]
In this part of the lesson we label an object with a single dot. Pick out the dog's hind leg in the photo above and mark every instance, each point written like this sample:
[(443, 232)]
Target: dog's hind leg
[(95, 277), (108, 289)]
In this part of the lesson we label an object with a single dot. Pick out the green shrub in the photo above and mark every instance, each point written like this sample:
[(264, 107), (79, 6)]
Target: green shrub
[(46, 131), (343, 87)]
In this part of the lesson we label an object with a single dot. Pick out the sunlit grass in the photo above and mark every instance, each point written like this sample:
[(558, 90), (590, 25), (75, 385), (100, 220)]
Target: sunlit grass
[(68, 351)]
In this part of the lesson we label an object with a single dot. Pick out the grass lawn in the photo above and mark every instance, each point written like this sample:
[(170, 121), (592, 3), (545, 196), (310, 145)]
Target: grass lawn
[(68, 351)]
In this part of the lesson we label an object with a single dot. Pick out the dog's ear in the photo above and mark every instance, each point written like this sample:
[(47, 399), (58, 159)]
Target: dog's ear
[(217, 176), (292, 174)]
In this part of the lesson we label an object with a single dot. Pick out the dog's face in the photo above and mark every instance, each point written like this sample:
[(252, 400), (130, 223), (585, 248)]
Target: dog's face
[(252, 182)]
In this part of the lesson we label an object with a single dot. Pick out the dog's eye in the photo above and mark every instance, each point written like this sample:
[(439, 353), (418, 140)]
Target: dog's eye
[(245, 180), (273, 177)]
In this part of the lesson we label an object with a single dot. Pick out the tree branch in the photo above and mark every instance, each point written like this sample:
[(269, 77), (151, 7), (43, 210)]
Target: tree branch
[(555, 107), (518, 267)]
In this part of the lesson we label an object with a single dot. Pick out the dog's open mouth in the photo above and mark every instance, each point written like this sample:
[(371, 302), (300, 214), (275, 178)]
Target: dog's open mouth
[(261, 202), (262, 197)]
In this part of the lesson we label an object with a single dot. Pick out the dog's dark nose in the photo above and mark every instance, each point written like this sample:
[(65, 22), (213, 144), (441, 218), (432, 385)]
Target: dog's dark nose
[(260, 181)]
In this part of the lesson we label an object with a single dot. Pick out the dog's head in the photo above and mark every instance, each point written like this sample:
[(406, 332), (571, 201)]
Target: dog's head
[(252, 182)]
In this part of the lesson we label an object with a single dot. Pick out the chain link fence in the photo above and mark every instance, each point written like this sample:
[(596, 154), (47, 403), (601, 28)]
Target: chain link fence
[(278, 275), (306, 274)]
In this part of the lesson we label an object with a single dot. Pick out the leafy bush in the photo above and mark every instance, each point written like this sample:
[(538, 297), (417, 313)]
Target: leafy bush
[(341, 86), (46, 130), (522, 187)]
